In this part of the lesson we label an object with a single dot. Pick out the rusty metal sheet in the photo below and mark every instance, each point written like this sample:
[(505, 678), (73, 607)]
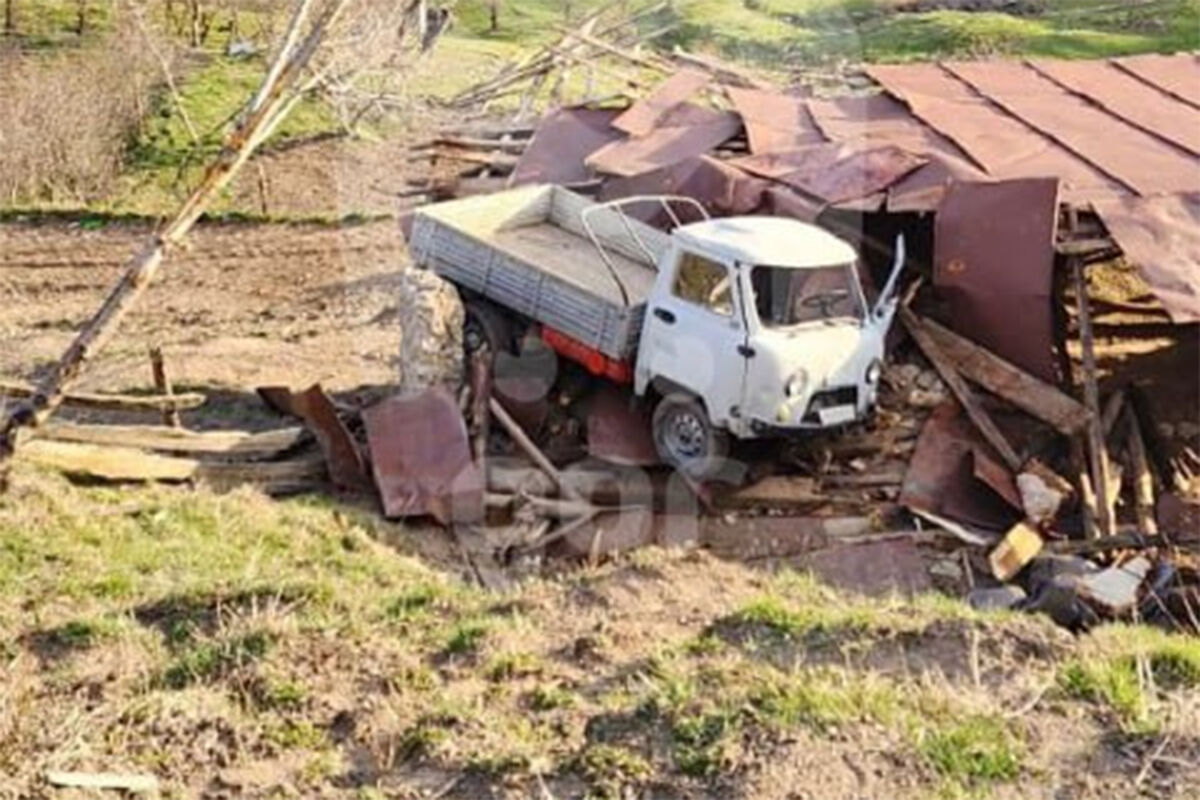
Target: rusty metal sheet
[(646, 114), (618, 428), (666, 146), (1124, 96), (347, 468), (1143, 163), (1161, 235), (562, 142), (721, 188), (1178, 75), (994, 262), (775, 122), (941, 480), (995, 140), (781, 201), (835, 173), (923, 188), (421, 456)]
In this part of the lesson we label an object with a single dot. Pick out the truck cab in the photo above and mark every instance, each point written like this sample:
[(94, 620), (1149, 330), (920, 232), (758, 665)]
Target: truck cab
[(757, 326)]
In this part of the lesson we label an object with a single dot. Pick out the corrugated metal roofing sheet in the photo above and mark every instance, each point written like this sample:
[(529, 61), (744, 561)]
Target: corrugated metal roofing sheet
[(647, 113), (775, 122), (564, 138), (1162, 236), (666, 145), (1177, 75), (1124, 96), (1142, 162), (1003, 145)]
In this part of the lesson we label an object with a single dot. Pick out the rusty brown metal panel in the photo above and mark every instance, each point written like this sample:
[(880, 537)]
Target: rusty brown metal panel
[(835, 173), (666, 146), (347, 468), (618, 428), (941, 475), (1161, 235), (1178, 75), (562, 142), (646, 114), (421, 456), (783, 202), (720, 187), (1124, 96), (1143, 163), (775, 122), (994, 263), (1000, 143)]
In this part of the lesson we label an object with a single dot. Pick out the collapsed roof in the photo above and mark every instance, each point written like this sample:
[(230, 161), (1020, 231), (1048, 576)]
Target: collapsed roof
[(1122, 136)]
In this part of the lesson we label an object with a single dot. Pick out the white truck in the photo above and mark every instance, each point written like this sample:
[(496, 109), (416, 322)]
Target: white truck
[(740, 326)]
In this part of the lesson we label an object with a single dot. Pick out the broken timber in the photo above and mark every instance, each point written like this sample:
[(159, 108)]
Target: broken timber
[(962, 392), (130, 464), (111, 402), (1036, 397), (241, 444), (1097, 452)]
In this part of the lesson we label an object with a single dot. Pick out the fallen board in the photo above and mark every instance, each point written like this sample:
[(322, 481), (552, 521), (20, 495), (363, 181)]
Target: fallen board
[(242, 444), (129, 464), (111, 402)]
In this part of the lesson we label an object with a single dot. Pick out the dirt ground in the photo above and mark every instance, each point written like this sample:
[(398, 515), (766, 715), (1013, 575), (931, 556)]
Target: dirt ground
[(242, 306)]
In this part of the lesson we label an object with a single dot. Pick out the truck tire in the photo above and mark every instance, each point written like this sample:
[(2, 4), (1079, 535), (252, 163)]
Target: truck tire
[(484, 325), (686, 439)]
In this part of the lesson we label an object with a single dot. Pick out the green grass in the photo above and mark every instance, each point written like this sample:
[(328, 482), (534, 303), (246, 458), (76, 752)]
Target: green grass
[(980, 750)]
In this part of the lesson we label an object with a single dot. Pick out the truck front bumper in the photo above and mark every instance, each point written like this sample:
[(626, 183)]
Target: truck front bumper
[(823, 410)]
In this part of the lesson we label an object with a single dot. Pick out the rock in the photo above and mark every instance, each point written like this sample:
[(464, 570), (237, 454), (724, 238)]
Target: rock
[(1114, 591), (947, 569), (930, 382), (922, 398), (996, 598), (431, 342), (1053, 588), (1040, 500)]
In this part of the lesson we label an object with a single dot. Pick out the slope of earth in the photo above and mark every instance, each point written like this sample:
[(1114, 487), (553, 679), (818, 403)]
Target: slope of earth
[(234, 646), (240, 306)]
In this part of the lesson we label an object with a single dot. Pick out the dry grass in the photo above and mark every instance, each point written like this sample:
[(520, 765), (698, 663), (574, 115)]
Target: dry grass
[(235, 644), (68, 117)]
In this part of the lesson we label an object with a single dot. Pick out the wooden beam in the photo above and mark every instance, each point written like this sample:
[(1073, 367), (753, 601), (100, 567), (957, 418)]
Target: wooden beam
[(970, 403), (1036, 397), (1097, 452), (1143, 479), (128, 464), (111, 402), (242, 444)]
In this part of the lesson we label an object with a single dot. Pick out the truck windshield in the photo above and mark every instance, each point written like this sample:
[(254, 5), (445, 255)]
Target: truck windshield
[(786, 296)]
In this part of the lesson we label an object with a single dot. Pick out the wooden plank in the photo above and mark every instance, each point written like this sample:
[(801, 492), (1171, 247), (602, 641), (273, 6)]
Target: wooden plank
[(1032, 395), (267, 444), (1143, 479), (130, 464), (1097, 452), (136, 784), (111, 402), (961, 391)]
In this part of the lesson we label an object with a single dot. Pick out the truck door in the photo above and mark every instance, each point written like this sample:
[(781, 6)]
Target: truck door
[(693, 335)]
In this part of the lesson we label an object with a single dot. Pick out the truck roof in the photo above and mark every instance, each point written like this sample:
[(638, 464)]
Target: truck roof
[(770, 241)]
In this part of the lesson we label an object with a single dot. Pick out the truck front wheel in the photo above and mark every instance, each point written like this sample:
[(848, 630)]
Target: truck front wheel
[(686, 439)]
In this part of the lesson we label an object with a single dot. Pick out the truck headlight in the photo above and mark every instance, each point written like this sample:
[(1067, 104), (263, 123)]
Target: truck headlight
[(797, 383), (874, 372)]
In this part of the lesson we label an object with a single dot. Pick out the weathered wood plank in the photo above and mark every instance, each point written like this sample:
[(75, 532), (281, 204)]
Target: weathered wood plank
[(243, 444), (128, 464), (1034, 396), (111, 402), (962, 392)]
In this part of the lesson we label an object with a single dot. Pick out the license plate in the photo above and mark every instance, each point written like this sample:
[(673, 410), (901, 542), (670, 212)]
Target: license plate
[(836, 415)]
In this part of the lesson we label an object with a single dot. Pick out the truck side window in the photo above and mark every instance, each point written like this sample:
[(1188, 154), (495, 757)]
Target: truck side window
[(704, 282)]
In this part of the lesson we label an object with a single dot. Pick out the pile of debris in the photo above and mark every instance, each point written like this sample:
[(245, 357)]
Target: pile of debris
[(996, 466)]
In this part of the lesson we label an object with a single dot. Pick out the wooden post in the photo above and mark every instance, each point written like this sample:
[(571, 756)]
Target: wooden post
[(10, 18), (163, 384), (481, 394), (1143, 479), (1097, 452)]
